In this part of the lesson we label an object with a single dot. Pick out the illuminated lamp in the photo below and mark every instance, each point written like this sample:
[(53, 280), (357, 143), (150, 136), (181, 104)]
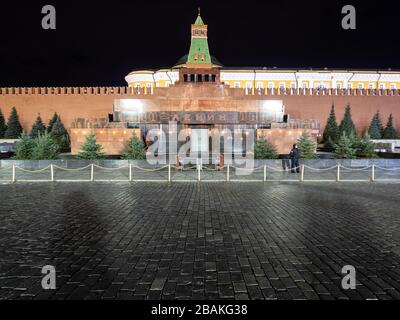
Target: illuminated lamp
[(130, 105)]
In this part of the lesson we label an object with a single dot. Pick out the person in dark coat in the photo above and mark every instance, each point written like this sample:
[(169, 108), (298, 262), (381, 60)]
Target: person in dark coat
[(286, 162), (294, 158)]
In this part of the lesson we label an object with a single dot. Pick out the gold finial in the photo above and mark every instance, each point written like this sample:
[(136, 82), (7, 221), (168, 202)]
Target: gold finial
[(199, 10)]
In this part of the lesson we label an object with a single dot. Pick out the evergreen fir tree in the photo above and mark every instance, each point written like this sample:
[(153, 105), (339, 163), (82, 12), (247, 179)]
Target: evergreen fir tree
[(23, 148), (331, 132), (134, 149), (356, 142), (52, 122), (60, 136), (307, 147), (44, 148), (347, 125), (375, 128), (38, 127), (264, 150), (390, 131), (14, 128), (3, 126), (381, 127), (90, 149), (366, 148), (344, 148)]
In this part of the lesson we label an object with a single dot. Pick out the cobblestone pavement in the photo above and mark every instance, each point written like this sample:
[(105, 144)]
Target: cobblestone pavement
[(200, 241)]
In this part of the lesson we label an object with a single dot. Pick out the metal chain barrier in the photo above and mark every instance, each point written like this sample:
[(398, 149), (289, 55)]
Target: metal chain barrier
[(202, 172), (356, 169), (32, 171), (320, 169), (387, 169)]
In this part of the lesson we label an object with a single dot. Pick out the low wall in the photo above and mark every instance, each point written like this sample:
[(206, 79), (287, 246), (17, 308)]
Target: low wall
[(113, 140), (284, 139), (395, 143)]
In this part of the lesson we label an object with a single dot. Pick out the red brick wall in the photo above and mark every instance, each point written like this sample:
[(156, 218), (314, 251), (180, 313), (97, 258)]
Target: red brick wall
[(98, 102)]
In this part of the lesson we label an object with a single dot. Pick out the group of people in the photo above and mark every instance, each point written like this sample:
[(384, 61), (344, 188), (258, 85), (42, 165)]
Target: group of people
[(294, 157)]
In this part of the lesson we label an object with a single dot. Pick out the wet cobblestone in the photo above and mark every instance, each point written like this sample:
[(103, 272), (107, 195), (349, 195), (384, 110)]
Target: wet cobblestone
[(200, 241)]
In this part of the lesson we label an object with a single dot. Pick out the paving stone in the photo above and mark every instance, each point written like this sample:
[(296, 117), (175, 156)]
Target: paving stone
[(200, 241)]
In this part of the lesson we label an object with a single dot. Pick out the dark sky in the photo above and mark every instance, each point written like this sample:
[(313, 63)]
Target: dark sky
[(98, 43)]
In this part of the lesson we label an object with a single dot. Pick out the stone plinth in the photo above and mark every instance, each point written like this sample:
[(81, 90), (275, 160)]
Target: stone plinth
[(112, 140), (283, 139)]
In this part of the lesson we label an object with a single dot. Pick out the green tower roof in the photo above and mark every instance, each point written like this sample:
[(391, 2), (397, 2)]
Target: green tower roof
[(199, 21), (199, 52)]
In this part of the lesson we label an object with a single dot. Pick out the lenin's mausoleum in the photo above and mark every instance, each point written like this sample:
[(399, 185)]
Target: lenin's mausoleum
[(200, 93)]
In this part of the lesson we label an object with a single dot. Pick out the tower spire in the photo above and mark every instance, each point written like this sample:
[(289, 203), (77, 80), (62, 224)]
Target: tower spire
[(199, 54)]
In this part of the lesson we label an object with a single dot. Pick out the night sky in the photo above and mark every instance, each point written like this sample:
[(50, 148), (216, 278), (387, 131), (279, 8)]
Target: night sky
[(98, 43)]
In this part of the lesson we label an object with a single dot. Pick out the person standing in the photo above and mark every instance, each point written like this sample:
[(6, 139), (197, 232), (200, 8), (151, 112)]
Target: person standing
[(294, 158)]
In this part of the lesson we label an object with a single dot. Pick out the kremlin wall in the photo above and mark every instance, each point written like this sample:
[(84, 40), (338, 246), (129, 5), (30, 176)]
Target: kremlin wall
[(97, 102)]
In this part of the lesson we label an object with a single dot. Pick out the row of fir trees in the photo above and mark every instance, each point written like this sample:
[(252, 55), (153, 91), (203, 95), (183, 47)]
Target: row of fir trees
[(264, 149), (376, 130), (45, 147), (347, 144), (91, 150), (42, 142)]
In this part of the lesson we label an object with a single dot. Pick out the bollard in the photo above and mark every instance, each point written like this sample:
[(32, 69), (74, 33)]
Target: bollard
[(52, 172), (130, 172), (92, 173), (373, 173), (338, 173), (227, 172), (169, 172), (302, 173), (265, 173), (13, 173)]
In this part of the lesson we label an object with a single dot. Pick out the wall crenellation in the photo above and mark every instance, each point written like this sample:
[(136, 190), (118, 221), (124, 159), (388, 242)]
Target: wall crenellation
[(65, 91), (23, 91), (322, 92)]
